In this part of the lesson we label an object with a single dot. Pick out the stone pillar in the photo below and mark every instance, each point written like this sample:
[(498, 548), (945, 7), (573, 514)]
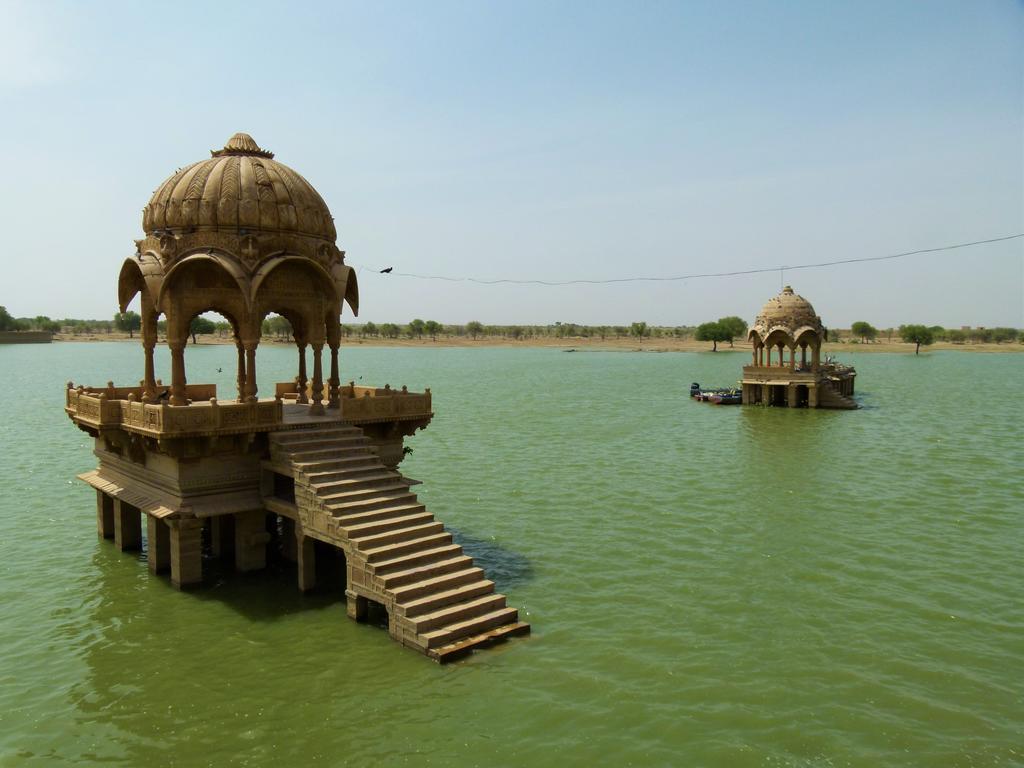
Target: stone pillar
[(792, 358), (127, 526), (803, 355), (791, 394), (766, 394), (104, 515), (250, 371), (251, 539), (782, 357), (356, 606), (241, 378), (306, 550), (769, 359), (333, 401), (289, 543), (755, 355), (816, 357), (316, 402), (812, 396), (149, 320), (186, 551), (158, 544), (178, 373), (303, 397)]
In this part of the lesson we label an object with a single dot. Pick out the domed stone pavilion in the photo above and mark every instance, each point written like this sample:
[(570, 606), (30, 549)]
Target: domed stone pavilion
[(786, 323), (309, 473)]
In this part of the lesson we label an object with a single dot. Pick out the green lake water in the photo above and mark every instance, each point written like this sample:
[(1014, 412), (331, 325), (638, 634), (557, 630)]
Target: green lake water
[(708, 586)]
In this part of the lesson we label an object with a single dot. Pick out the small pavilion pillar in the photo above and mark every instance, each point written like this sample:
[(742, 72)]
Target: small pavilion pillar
[(792, 358), (158, 545), (186, 536), (755, 354), (316, 404), (333, 399), (241, 377), (302, 379), (769, 357), (149, 319), (250, 371), (803, 355), (816, 357), (178, 372)]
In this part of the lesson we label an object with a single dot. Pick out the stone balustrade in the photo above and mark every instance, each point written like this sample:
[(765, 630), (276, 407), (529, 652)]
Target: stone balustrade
[(121, 408)]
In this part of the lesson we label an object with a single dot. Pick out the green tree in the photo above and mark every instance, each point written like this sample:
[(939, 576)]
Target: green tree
[(433, 328), (999, 335), (390, 330), (416, 328), (639, 330), (866, 331), (734, 326), (8, 323), (474, 328), (200, 324), (713, 332), (370, 329), (917, 334), (128, 321)]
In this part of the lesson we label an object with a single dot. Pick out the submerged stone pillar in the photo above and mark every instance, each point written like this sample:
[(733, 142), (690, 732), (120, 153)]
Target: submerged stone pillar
[(158, 544), (812, 397), (104, 515), (306, 560), (186, 551), (356, 606), (127, 526), (791, 395), (251, 539), (766, 396)]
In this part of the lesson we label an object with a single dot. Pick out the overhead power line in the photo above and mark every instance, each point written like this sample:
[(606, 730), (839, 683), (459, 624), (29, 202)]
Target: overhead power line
[(698, 276)]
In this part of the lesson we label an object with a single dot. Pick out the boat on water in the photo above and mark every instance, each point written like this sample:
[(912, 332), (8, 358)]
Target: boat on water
[(721, 396)]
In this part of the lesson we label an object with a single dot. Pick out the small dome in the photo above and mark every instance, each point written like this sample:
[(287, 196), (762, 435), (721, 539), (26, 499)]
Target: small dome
[(241, 187)]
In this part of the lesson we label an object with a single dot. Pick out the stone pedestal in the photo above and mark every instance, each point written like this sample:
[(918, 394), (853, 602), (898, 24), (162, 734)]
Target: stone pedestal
[(356, 606), (186, 552), (158, 545), (127, 526)]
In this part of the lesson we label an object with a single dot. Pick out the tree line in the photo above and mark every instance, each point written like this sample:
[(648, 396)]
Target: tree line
[(725, 329)]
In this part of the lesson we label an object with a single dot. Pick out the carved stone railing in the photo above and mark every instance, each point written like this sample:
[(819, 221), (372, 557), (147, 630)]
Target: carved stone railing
[(363, 404), (121, 408), (369, 404)]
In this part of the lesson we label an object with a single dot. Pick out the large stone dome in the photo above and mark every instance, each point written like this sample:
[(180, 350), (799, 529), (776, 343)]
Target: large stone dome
[(788, 309), (240, 187)]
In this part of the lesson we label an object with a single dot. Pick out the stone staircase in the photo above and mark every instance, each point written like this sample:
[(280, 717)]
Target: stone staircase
[(397, 554), (829, 397)]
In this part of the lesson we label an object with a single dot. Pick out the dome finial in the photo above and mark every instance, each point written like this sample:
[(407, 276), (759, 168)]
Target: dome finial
[(788, 290), (241, 144)]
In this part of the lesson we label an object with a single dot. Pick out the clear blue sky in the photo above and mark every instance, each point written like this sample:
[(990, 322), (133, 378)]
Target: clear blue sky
[(552, 140)]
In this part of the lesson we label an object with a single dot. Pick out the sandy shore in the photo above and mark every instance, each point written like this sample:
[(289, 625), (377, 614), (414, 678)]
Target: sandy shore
[(615, 344)]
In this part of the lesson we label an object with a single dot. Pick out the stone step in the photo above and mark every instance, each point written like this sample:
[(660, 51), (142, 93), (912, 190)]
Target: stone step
[(451, 632), (359, 465), (445, 653), (345, 453), (375, 514), (401, 535), (456, 612), (398, 550), (325, 442), (430, 603), (351, 473), (318, 433), (343, 497), (426, 571), (402, 498), (411, 559), (362, 530), (348, 481), (430, 586)]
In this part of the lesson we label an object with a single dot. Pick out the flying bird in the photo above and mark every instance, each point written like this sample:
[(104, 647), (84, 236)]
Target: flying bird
[(386, 270)]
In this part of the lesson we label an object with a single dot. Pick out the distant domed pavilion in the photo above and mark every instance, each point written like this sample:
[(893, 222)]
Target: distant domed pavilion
[(786, 323)]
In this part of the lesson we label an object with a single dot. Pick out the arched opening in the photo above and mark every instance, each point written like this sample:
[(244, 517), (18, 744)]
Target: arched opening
[(214, 352)]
